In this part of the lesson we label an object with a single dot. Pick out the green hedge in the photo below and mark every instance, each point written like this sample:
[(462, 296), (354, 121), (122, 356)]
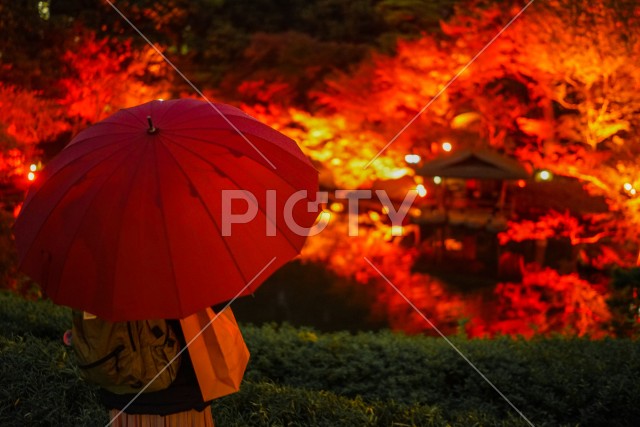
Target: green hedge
[(41, 318), (298, 376), (552, 381), (268, 404), (40, 386)]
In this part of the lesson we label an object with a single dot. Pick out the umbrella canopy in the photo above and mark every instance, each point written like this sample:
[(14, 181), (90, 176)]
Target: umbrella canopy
[(478, 164), (164, 209)]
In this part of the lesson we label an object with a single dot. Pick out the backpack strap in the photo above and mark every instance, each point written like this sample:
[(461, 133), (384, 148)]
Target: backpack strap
[(100, 361)]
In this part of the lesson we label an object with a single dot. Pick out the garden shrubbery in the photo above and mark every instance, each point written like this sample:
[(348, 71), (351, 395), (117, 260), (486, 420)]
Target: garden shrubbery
[(42, 318), (40, 386), (555, 381), (300, 377)]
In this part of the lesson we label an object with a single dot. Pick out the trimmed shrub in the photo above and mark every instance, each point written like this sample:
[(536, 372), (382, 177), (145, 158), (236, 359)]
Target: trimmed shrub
[(299, 377), (268, 404), (40, 386), (40, 318), (554, 381)]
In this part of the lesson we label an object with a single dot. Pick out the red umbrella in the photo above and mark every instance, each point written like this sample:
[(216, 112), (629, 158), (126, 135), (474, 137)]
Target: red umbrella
[(142, 216)]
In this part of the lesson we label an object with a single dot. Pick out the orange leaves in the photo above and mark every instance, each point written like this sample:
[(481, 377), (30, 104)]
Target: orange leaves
[(102, 76), (264, 92), (25, 120), (552, 224), (345, 256), (105, 76), (538, 128), (544, 303), (385, 92), (558, 89), (342, 149), (28, 118)]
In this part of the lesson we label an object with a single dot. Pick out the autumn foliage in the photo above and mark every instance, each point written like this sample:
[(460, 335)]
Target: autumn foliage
[(544, 303), (557, 90), (120, 77)]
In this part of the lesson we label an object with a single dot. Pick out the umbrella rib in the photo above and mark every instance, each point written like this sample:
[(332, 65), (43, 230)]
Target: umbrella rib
[(143, 121), (111, 132), (75, 143), (174, 103), (63, 167), (49, 178), (267, 215), (176, 142), (164, 226), (127, 111), (204, 205), (230, 179), (207, 141), (95, 197), (119, 123), (184, 147), (283, 151), (126, 199), (107, 122), (205, 107)]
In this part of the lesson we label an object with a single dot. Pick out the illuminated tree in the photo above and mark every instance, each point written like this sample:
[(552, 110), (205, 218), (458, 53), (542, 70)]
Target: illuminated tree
[(560, 100), (293, 62), (26, 119), (563, 100), (558, 90), (120, 77), (543, 304), (345, 255), (341, 149), (386, 92), (589, 80)]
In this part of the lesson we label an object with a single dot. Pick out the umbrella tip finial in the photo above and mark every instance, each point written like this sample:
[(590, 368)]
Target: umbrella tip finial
[(152, 129)]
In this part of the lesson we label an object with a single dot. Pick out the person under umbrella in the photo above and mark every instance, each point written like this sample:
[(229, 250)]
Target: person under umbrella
[(164, 209)]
